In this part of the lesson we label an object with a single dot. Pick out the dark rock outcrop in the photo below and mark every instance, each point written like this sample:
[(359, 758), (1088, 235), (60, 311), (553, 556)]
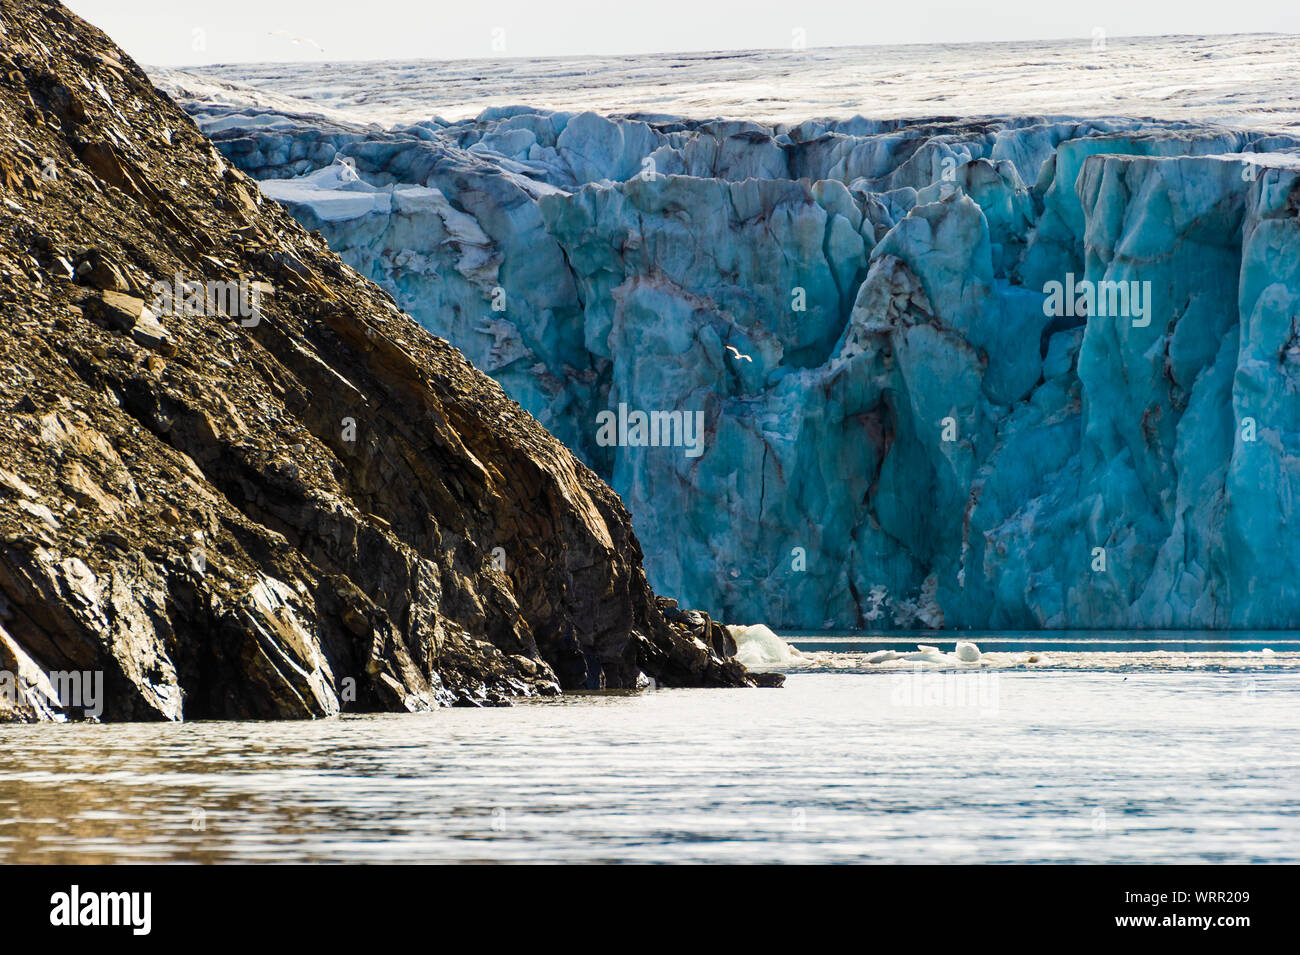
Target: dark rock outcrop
[(278, 497)]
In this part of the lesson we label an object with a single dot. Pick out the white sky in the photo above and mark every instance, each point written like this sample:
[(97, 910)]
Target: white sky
[(194, 32)]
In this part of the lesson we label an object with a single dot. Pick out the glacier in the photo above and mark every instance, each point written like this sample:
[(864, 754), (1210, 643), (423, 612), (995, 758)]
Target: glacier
[(906, 422)]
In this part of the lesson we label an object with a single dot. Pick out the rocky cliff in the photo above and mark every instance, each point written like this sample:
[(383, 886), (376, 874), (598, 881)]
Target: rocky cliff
[(235, 479)]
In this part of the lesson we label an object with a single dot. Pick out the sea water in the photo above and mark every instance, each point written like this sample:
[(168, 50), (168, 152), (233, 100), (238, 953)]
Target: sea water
[(1093, 756)]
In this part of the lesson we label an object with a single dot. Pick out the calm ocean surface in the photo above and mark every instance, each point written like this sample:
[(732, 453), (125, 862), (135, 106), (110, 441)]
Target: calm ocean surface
[(1079, 756)]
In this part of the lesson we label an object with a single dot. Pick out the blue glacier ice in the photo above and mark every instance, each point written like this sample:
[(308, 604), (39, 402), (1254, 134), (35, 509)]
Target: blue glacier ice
[(902, 426)]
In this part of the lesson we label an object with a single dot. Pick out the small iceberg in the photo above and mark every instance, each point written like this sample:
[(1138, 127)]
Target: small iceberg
[(882, 656), (966, 652), (758, 646)]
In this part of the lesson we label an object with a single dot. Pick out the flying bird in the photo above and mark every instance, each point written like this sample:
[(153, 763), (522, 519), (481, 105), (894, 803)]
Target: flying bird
[(347, 171), (736, 351), (297, 40)]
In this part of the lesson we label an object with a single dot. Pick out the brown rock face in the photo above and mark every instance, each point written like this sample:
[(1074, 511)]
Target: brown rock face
[(267, 492)]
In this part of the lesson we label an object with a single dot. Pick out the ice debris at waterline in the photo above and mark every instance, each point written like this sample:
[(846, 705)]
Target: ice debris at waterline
[(758, 646), (965, 652), (1114, 661), (319, 507), (1031, 372)]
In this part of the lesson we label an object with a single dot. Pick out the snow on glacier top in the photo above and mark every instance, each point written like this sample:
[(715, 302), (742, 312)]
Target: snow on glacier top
[(1239, 80)]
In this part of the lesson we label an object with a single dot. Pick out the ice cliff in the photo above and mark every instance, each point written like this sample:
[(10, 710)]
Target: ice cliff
[(1008, 372)]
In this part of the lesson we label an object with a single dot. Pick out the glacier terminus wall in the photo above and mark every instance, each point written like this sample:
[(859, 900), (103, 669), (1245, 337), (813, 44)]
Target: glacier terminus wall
[(1030, 372)]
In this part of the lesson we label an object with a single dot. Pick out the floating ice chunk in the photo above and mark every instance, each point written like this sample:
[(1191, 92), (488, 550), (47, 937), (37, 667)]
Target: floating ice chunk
[(759, 646), (926, 654), (968, 652), (882, 656)]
